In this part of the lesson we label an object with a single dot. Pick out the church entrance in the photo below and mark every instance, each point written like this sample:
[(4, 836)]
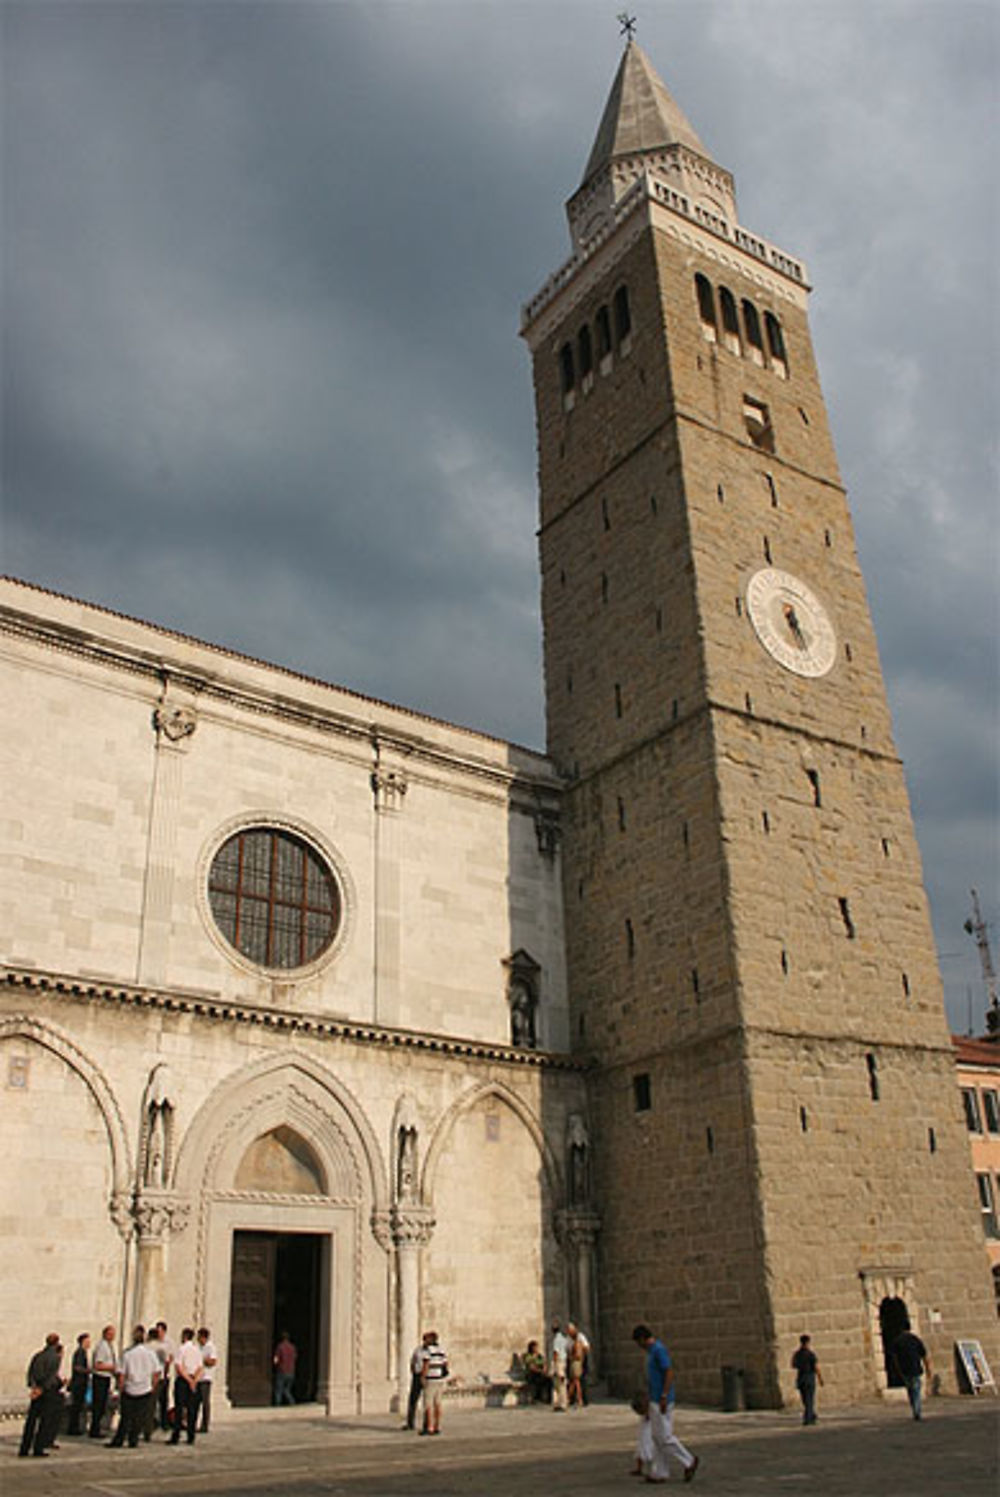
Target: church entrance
[(274, 1287), (893, 1319)]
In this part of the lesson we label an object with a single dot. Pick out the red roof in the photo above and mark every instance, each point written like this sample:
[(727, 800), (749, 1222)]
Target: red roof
[(970, 1052)]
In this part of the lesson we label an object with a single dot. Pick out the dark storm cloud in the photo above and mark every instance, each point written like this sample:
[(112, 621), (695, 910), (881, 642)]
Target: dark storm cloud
[(262, 272)]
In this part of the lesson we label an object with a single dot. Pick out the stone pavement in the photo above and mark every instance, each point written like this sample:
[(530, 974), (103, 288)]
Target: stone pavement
[(863, 1451)]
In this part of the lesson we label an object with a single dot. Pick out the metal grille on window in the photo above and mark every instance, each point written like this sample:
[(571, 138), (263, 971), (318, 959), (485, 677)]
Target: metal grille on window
[(273, 897)]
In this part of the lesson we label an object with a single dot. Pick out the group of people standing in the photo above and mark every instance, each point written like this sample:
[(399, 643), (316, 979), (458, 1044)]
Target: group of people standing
[(562, 1380), (142, 1377)]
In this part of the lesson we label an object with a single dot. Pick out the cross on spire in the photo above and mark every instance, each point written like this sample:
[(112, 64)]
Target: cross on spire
[(627, 24)]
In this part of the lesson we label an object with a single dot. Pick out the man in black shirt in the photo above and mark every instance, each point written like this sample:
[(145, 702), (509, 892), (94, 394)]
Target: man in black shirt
[(806, 1365), (909, 1355), (44, 1398)]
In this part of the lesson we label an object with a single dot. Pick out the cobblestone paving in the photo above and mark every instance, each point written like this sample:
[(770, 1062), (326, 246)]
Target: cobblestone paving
[(854, 1452)]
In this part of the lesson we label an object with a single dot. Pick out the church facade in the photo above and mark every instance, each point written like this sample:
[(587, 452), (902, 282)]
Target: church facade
[(321, 1015)]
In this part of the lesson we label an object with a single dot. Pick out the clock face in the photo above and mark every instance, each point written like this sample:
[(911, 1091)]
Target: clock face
[(791, 622)]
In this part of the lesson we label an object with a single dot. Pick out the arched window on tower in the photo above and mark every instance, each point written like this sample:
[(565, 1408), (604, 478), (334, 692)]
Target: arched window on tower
[(623, 320), (706, 308), (776, 345), (567, 375), (730, 321), (585, 354), (602, 324), (751, 327)]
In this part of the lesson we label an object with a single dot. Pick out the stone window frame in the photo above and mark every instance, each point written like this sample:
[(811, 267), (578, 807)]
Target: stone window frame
[(328, 854)]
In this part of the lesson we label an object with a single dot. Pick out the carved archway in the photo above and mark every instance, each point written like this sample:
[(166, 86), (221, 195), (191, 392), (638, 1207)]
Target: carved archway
[(23, 1027)]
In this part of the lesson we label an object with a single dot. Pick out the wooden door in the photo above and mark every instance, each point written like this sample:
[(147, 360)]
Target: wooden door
[(251, 1317)]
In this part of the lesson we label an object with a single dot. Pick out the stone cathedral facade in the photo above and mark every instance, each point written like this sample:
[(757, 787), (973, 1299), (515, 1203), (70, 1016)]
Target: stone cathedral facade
[(319, 1014)]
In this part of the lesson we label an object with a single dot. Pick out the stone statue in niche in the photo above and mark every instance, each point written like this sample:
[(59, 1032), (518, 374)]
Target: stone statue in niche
[(522, 1015), (406, 1164), (159, 1129), (578, 1141)]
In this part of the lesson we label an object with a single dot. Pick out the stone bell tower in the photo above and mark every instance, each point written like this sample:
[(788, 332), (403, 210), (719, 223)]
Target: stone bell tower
[(775, 1117)]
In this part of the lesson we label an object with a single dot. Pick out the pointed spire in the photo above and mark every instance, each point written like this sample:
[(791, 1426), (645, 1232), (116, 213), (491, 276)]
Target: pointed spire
[(639, 116)]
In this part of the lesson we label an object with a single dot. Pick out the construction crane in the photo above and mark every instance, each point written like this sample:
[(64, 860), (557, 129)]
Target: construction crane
[(976, 926)]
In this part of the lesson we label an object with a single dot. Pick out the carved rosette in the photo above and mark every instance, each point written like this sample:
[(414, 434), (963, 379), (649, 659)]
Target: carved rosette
[(159, 1216), (411, 1226), (577, 1230)]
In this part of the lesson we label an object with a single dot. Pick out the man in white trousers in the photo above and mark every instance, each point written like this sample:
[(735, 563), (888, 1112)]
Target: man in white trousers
[(657, 1441)]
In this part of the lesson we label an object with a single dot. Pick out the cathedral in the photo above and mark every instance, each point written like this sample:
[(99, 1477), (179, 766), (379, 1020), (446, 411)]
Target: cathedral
[(322, 1015)]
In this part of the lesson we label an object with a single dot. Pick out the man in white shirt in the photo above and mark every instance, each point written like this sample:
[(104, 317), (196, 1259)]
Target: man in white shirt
[(137, 1380), (104, 1369), (164, 1348), (209, 1362), (188, 1371), (557, 1367)]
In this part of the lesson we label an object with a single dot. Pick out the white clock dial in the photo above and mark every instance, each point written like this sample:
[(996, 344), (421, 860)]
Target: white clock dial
[(791, 622)]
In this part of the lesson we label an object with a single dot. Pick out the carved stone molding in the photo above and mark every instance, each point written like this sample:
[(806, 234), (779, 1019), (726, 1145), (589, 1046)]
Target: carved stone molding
[(158, 1216), (174, 724), (381, 1226), (411, 1226)]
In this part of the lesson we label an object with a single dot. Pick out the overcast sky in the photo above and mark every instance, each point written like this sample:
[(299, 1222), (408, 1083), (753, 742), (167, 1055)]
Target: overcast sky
[(262, 272)]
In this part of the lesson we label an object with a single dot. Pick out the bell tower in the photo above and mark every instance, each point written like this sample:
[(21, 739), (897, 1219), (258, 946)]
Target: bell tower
[(776, 1126)]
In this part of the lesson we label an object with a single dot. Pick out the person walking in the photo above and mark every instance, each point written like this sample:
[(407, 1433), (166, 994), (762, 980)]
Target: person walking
[(137, 1381), (435, 1370), (79, 1382), (807, 1375), (209, 1362), (44, 1398), (283, 1361), (909, 1357), (104, 1369), (662, 1396), (187, 1387), (557, 1367)]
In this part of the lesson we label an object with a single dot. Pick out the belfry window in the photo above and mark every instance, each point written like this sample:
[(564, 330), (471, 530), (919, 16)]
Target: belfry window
[(567, 374), (585, 351), (602, 325), (751, 327), (730, 321), (776, 345), (273, 897), (706, 308), (623, 319)]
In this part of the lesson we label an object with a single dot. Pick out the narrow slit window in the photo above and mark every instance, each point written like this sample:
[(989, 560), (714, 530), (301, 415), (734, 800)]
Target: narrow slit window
[(621, 814), (642, 1092), (618, 700), (812, 775), (803, 1120), (873, 1086), (845, 915), (629, 939), (932, 1140)]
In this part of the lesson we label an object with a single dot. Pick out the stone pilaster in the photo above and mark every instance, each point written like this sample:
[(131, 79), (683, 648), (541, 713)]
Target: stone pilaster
[(174, 722), (412, 1228)]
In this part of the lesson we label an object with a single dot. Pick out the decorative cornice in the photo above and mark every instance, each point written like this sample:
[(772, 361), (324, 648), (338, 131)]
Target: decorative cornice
[(211, 1006), (209, 686), (650, 189)]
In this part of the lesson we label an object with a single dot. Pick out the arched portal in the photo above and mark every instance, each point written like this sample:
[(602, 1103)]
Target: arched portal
[(285, 1175)]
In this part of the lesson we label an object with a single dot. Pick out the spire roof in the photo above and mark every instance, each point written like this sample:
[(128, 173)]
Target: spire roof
[(639, 116)]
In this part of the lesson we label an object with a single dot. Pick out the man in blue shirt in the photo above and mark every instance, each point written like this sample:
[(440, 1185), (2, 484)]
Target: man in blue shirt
[(657, 1440)]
